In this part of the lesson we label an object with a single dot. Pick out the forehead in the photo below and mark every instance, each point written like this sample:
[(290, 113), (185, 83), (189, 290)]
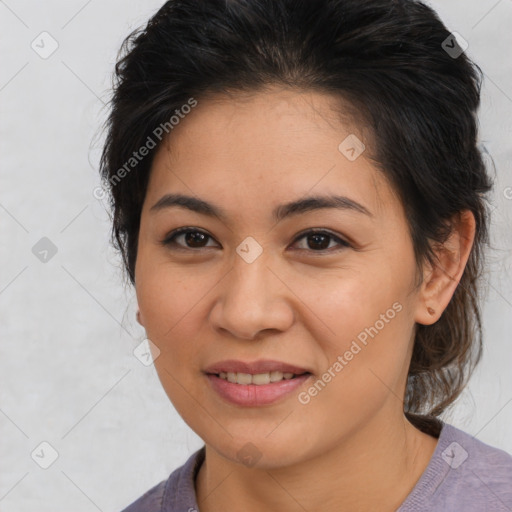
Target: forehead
[(266, 146), (270, 121)]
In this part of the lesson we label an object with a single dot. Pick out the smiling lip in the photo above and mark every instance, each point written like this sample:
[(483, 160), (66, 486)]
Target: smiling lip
[(251, 395)]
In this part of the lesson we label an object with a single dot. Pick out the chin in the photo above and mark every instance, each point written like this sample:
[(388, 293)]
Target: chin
[(257, 453)]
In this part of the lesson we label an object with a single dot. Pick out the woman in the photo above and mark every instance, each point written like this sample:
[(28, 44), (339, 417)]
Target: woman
[(299, 201)]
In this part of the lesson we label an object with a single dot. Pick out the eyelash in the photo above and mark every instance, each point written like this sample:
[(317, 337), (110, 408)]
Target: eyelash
[(170, 239)]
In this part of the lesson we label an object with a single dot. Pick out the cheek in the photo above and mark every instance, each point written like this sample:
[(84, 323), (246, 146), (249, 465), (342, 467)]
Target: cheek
[(167, 296), (347, 303), (172, 301), (169, 301), (364, 329), (360, 377)]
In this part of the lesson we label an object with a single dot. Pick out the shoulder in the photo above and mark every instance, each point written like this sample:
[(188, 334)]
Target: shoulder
[(150, 501), (175, 494), (483, 467), (464, 473)]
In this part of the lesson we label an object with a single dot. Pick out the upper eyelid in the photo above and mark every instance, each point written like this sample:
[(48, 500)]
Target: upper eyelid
[(313, 231)]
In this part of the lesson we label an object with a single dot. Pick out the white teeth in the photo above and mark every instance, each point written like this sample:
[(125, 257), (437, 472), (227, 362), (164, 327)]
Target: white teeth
[(258, 379), (261, 378), (276, 375), (243, 378)]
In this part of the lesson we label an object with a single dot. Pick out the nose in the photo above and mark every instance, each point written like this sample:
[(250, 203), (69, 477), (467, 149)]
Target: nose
[(252, 298)]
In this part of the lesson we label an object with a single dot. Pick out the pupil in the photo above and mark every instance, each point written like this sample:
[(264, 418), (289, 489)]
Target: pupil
[(192, 237), (317, 237)]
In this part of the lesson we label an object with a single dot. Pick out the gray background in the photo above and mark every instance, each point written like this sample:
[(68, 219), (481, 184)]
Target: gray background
[(68, 331)]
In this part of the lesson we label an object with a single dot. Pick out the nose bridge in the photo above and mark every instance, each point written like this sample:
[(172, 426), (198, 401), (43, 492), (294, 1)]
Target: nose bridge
[(252, 297), (251, 277)]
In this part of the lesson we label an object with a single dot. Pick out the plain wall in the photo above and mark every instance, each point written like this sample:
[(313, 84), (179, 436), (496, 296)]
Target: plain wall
[(68, 330)]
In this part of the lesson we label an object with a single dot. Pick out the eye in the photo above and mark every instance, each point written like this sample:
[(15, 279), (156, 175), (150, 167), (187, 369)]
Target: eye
[(192, 236), (317, 240)]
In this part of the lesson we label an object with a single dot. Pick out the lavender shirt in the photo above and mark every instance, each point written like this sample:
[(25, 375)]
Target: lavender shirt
[(464, 474)]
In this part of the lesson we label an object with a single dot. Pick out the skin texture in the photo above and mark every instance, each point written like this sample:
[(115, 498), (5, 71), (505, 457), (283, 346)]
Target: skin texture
[(350, 448)]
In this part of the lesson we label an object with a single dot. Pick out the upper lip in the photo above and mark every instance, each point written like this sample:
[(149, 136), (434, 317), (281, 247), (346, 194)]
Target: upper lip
[(254, 367)]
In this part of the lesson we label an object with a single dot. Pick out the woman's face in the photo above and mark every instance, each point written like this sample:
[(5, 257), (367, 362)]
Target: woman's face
[(251, 284)]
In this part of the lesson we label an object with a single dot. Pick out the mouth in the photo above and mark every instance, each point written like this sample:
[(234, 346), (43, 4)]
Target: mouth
[(259, 367), (258, 379), (257, 383)]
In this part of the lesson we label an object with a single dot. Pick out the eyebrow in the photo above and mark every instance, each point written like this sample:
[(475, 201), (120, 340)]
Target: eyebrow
[(279, 213)]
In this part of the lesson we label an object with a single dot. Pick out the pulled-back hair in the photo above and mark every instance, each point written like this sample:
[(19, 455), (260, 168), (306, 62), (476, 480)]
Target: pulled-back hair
[(390, 60)]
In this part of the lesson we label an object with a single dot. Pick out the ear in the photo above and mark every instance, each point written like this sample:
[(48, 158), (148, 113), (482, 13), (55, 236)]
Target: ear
[(441, 279), (139, 320)]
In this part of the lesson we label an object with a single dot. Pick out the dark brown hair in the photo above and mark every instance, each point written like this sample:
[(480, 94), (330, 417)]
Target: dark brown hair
[(394, 61)]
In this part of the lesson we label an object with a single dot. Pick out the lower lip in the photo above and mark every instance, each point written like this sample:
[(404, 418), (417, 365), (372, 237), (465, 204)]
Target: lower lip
[(251, 395)]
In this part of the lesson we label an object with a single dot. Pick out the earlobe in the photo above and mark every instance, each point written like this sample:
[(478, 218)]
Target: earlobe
[(442, 278), (138, 317)]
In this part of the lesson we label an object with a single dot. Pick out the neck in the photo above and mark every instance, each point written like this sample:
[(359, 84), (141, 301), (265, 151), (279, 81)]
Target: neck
[(372, 468)]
